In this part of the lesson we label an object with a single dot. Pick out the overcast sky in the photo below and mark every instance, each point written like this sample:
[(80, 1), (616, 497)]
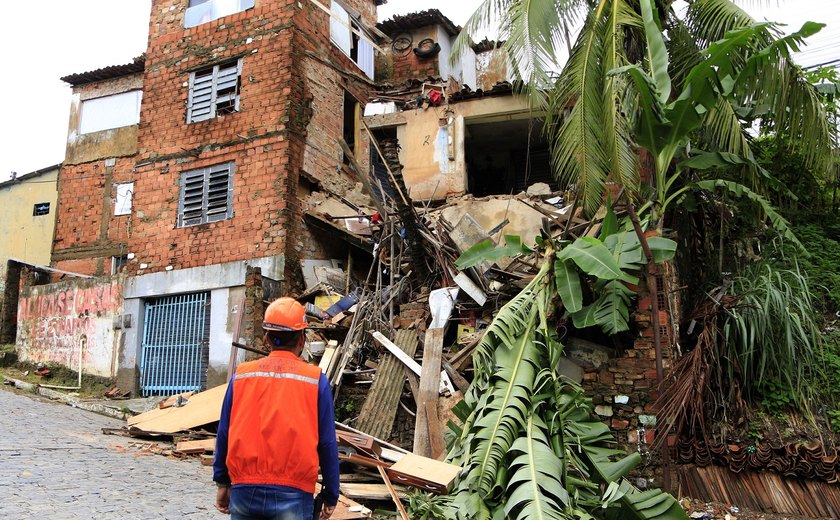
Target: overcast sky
[(70, 36)]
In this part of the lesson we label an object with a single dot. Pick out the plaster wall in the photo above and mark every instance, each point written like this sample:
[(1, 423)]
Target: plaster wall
[(58, 321), (27, 237), (114, 142), (432, 141)]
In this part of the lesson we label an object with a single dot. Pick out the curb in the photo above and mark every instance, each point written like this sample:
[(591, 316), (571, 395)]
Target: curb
[(70, 400)]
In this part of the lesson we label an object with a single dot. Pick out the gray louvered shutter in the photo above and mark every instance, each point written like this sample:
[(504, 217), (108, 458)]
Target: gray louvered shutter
[(219, 192), (227, 86), (191, 211), (200, 105)]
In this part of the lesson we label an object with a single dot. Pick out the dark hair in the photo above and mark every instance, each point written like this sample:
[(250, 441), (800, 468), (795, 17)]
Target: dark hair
[(283, 339)]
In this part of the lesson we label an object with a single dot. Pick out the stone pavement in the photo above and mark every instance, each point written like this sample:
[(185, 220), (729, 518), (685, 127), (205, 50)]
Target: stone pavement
[(56, 464)]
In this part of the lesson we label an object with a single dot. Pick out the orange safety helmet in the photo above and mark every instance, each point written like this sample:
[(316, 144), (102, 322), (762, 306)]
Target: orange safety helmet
[(285, 314)]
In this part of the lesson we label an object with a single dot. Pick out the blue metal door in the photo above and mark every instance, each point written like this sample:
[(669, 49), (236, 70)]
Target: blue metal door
[(176, 339)]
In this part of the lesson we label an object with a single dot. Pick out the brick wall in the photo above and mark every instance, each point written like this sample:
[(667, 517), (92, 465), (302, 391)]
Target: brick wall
[(87, 234), (287, 68)]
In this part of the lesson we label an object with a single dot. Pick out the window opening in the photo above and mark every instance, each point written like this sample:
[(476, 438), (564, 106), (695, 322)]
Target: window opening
[(214, 91), (118, 263), (501, 159), (206, 195), (41, 208), (351, 125), (203, 11)]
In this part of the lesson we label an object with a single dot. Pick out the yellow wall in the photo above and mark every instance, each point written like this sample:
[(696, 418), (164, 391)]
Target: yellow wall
[(22, 235), (432, 141)]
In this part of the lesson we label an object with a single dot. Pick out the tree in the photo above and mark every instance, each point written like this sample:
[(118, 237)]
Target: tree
[(592, 114)]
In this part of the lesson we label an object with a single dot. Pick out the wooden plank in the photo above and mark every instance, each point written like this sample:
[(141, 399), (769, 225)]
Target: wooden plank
[(429, 389), (393, 493), (327, 359), (456, 376), (363, 491), (437, 446), (347, 509), (202, 408), (199, 446), (206, 460), (444, 384), (469, 287), (380, 408)]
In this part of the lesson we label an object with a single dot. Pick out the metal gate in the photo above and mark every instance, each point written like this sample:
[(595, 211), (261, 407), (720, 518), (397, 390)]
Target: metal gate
[(175, 350)]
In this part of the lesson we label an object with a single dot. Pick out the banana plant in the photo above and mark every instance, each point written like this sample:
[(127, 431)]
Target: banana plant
[(665, 121), (530, 445)]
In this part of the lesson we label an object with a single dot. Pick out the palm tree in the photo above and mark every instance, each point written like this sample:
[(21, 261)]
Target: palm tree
[(592, 115)]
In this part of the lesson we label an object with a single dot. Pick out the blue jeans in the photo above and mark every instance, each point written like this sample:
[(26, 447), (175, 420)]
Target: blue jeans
[(270, 503)]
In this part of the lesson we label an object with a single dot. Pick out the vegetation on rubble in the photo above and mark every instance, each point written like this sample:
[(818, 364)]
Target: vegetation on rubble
[(530, 445)]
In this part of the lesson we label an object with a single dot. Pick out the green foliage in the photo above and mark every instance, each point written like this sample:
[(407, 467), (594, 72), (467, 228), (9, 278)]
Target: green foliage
[(531, 446), (486, 250), (821, 263), (771, 339), (776, 397)]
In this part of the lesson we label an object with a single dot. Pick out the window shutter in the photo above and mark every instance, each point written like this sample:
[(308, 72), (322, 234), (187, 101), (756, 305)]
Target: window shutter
[(192, 198), (340, 33), (200, 103), (365, 59), (206, 195), (218, 193)]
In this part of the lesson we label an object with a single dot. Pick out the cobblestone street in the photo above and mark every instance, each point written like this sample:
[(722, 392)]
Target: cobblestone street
[(55, 464)]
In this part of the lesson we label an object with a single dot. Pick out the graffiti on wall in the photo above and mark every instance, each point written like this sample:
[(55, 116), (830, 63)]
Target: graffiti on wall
[(55, 321)]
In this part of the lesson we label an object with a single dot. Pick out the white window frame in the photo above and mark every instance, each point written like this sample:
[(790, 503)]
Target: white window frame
[(341, 35), (123, 196), (112, 111), (206, 195), (212, 87), (211, 10)]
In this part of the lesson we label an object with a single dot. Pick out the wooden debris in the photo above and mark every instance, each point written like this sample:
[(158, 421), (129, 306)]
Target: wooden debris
[(380, 408), (429, 389), (202, 408), (424, 473), (393, 493), (200, 446)]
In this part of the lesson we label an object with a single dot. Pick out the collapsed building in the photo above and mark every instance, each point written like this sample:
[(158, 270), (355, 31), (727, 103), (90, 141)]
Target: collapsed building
[(263, 148)]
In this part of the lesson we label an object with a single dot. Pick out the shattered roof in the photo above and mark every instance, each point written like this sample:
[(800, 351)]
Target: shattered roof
[(406, 22), (502, 88), (487, 45), (112, 71)]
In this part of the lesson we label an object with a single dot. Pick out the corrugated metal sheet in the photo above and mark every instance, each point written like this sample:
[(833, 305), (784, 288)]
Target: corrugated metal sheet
[(113, 71)]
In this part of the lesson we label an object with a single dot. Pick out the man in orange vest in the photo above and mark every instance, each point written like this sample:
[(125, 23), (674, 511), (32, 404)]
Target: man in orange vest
[(277, 426)]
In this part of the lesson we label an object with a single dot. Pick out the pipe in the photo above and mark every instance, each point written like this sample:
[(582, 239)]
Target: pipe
[(82, 343), (650, 269)]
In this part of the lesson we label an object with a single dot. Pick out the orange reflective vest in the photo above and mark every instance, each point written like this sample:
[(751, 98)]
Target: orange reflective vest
[(273, 436)]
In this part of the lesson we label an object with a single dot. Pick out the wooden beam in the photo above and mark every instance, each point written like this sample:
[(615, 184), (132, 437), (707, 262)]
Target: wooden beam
[(393, 493), (437, 446), (429, 389)]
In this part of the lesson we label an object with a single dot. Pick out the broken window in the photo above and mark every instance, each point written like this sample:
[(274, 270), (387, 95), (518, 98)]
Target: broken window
[(106, 112), (206, 195), (346, 34), (118, 263), (123, 197), (203, 11), (214, 91), (41, 208), (506, 157)]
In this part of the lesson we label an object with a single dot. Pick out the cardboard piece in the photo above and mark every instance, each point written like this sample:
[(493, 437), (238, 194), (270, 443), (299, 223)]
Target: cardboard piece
[(202, 408)]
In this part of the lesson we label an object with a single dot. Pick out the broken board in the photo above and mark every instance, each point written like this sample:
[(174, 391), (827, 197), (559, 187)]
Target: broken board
[(202, 408)]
